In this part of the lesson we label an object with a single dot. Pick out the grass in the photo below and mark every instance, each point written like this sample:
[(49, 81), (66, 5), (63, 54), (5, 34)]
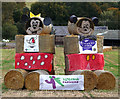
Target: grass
[(8, 59), (111, 62)]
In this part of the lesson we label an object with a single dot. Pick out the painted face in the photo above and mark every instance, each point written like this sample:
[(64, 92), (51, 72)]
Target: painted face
[(35, 26), (84, 28)]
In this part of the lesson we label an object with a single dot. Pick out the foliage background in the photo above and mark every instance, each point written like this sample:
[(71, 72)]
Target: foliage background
[(12, 12)]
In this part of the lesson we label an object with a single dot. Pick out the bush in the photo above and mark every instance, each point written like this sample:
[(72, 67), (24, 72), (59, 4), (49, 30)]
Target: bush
[(9, 31)]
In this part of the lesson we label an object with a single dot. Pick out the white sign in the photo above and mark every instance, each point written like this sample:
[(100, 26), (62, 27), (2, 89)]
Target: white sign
[(61, 82), (31, 43), (87, 46), (100, 27)]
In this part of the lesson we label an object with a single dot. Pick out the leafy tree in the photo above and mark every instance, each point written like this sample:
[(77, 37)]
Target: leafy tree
[(17, 15), (84, 9), (9, 31), (18, 11), (21, 28), (7, 12), (61, 11), (110, 18), (55, 10)]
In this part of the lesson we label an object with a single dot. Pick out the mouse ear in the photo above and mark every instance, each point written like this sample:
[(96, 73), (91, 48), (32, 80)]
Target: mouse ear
[(95, 20), (24, 18), (47, 21), (73, 19)]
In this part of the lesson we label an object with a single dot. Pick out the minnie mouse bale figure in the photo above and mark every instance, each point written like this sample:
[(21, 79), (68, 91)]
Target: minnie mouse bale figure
[(34, 54)]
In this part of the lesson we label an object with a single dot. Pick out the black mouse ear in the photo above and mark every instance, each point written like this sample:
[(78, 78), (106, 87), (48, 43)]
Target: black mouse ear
[(47, 21), (73, 19), (95, 20), (24, 18)]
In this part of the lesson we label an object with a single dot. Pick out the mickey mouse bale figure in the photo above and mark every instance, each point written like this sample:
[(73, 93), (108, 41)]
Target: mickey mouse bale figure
[(84, 54), (83, 26), (34, 54)]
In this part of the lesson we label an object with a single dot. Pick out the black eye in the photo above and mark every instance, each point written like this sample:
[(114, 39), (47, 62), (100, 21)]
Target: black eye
[(36, 22)]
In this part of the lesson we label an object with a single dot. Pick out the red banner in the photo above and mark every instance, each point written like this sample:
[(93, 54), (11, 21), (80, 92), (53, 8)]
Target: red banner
[(32, 61), (86, 61)]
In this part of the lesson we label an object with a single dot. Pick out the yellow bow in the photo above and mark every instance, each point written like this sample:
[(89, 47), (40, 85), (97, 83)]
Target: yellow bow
[(32, 15)]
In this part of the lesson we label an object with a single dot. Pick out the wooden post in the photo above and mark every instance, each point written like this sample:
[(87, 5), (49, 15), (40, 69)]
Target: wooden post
[(90, 78), (106, 80), (32, 79), (14, 79)]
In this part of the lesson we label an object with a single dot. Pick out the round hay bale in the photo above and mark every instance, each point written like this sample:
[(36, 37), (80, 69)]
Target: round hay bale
[(78, 27), (106, 80), (90, 78), (39, 30), (14, 79), (32, 79)]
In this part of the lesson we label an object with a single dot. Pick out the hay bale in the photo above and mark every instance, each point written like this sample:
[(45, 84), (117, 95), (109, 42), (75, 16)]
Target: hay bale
[(32, 79), (74, 28), (46, 44), (90, 78), (14, 79), (71, 44), (107, 48), (106, 80), (19, 43), (100, 43)]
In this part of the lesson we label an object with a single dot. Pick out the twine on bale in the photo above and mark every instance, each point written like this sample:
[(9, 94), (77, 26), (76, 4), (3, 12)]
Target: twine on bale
[(106, 80), (90, 78), (32, 79), (14, 79)]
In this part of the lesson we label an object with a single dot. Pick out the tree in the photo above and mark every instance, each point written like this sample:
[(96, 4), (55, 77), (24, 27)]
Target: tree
[(21, 28), (18, 11), (7, 12), (17, 15), (57, 11), (110, 18), (9, 31)]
